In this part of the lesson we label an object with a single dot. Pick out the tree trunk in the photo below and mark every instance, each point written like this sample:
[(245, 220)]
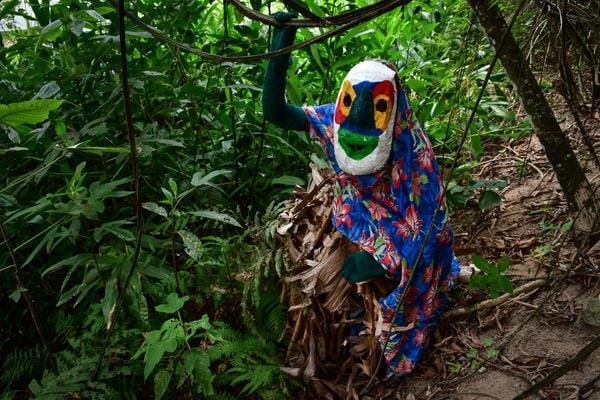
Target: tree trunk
[(570, 175)]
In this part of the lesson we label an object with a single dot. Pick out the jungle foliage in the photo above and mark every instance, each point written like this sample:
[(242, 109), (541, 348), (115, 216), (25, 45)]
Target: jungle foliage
[(201, 313)]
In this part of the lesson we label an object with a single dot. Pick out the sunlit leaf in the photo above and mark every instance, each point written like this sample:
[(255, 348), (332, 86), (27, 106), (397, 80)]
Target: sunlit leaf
[(217, 216), (288, 180), (199, 180), (27, 112), (156, 209), (174, 303), (193, 245)]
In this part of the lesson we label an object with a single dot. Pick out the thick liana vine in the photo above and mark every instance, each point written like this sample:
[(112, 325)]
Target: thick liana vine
[(114, 312)]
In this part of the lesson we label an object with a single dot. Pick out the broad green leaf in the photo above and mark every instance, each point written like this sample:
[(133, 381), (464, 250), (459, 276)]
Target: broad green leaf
[(168, 195), (72, 261), (48, 90), (51, 31), (502, 112), (109, 300), (202, 323), (197, 365), (199, 180), (27, 112), (12, 134), (193, 245), (101, 191), (161, 383), (489, 199), (174, 303), (217, 216), (503, 263), (481, 262), (114, 227), (288, 180), (96, 14), (173, 186), (156, 209), (16, 294), (77, 25), (97, 150), (155, 352), (168, 142)]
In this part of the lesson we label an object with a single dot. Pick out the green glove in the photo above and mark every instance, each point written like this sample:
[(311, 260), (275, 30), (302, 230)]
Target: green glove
[(275, 107), (360, 267)]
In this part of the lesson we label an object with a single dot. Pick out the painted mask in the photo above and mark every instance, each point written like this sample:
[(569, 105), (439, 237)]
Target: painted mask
[(364, 117)]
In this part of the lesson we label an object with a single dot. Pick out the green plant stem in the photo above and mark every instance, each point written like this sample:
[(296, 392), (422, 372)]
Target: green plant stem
[(136, 185), (28, 300), (174, 260)]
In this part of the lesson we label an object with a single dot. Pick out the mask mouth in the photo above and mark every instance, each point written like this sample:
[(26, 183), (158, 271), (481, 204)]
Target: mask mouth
[(355, 145)]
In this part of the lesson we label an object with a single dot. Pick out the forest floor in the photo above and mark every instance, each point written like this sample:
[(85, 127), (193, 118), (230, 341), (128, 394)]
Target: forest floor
[(501, 349), (538, 330)]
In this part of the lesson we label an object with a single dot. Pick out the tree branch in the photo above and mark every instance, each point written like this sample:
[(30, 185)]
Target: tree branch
[(461, 312), (378, 8), (301, 9), (368, 13)]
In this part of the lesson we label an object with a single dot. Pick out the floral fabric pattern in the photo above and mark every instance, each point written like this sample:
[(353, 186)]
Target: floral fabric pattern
[(391, 215)]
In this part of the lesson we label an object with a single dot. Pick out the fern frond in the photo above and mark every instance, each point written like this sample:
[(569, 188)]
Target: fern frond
[(222, 396), (21, 365), (257, 377), (239, 347)]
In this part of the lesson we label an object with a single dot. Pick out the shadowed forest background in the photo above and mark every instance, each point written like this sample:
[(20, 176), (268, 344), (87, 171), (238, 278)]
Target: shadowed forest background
[(139, 254)]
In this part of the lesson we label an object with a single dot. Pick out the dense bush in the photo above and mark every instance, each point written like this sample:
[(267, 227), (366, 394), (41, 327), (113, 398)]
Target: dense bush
[(201, 312)]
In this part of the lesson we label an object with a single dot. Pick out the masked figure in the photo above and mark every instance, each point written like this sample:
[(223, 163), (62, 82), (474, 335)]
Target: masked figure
[(387, 191)]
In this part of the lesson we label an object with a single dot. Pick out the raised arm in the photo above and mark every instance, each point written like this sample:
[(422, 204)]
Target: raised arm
[(275, 106)]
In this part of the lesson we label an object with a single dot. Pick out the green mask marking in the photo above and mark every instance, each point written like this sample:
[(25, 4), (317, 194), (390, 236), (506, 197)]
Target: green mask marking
[(355, 145)]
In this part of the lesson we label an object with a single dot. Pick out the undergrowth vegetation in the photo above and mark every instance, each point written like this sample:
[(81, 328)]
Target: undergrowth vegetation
[(201, 314)]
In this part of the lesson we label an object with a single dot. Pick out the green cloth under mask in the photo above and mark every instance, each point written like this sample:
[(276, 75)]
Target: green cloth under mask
[(360, 267), (275, 107)]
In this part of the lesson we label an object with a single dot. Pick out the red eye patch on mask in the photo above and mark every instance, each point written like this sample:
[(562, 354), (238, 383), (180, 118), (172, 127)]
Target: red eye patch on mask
[(378, 108)]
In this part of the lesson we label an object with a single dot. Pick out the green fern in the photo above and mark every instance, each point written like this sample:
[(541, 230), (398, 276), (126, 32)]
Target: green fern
[(22, 365), (257, 377), (222, 396), (240, 347)]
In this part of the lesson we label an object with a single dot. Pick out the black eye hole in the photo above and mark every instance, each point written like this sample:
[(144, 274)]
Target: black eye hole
[(347, 100), (381, 105)]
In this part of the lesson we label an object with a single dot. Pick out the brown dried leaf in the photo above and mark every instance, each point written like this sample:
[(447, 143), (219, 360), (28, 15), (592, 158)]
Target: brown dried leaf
[(291, 371)]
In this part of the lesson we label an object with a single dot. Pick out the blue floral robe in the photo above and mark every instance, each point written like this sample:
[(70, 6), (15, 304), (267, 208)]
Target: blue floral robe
[(388, 214)]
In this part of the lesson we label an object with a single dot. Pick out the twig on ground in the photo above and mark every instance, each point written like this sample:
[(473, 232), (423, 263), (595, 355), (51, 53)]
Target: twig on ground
[(560, 371), (461, 312)]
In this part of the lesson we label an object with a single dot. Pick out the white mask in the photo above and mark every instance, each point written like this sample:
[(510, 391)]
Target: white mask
[(364, 118)]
